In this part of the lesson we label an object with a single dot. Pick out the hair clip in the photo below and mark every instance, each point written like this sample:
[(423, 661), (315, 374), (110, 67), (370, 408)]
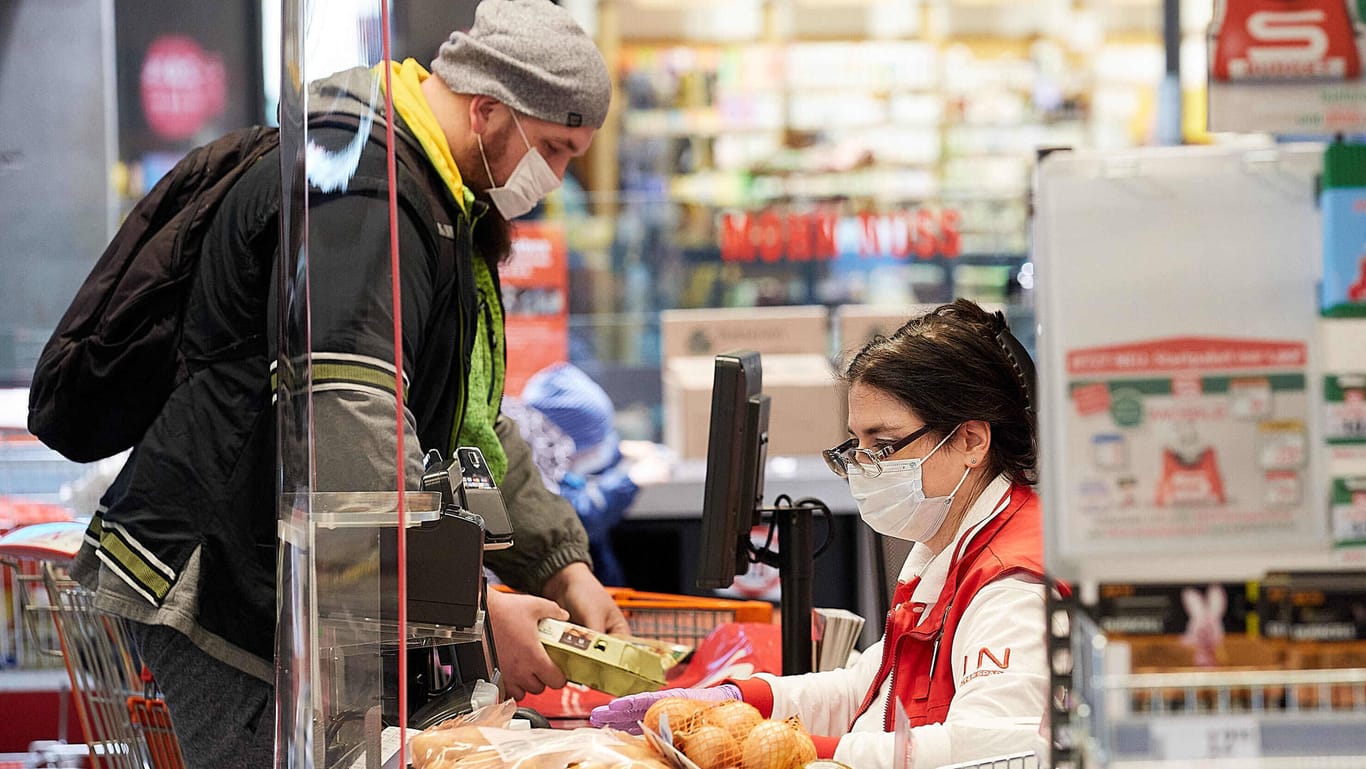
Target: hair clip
[(1018, 357)]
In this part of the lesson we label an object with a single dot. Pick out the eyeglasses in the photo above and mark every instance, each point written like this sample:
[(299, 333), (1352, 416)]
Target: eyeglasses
[(848, 457)]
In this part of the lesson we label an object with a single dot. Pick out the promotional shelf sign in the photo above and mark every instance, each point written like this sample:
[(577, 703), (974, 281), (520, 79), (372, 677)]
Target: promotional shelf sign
[(1187, 437), (1179, 354)]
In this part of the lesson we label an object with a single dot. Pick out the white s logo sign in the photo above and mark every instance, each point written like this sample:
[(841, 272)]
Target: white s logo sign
[(1302, 28)]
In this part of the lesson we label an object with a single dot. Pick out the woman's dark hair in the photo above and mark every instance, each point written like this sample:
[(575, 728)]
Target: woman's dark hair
[(958, 363)]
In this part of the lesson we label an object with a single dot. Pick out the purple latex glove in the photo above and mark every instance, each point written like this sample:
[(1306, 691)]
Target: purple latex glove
[(626, 713)]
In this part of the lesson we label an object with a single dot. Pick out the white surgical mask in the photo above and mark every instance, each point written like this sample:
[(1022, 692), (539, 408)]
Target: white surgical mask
[(894, 503), (529, 183)]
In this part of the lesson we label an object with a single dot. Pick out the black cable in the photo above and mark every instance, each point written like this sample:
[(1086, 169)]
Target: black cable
[(820, 507), (783, 503)]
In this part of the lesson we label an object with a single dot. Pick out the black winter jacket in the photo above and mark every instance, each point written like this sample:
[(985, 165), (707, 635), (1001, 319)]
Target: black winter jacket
[(196, 501)]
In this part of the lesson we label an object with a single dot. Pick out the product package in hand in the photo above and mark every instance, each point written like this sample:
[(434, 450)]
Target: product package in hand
[(726, 735), (482, 740), (613, 664)]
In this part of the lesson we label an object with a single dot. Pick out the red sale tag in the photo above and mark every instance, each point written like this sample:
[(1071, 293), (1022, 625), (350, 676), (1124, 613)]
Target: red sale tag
[(1091, 399)]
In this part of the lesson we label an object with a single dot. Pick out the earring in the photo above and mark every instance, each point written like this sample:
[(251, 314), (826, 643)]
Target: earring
[(972, 461)]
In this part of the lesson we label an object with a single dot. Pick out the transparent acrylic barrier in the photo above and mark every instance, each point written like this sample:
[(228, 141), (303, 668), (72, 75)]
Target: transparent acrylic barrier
[(356, 639), (339, 428)]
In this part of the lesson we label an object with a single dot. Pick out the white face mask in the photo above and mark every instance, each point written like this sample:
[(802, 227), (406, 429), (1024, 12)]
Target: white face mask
[(529, 183), (894, 503)]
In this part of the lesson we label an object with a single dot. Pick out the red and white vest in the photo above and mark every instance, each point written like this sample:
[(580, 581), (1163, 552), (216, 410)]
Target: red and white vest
[(915, 653)]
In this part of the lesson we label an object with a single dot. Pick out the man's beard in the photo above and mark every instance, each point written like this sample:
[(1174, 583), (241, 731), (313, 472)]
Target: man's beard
[(492, 233)]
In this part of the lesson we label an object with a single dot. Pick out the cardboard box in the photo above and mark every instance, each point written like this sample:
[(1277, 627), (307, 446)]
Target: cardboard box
[(767, 330), (806, 412), (607, 663)]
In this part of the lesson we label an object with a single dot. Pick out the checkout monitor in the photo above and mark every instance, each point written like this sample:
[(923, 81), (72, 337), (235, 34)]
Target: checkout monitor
[(737, 450)]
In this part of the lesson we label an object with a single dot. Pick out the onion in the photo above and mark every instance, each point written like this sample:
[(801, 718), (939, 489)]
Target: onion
[(710, 747), (736, 717), (807, 748), (773, 745), (682, 715)]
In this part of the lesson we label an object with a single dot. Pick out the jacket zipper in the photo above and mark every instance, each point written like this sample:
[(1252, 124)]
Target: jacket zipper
[(463, 404), (493, 346), (891, 688), (888, 654)]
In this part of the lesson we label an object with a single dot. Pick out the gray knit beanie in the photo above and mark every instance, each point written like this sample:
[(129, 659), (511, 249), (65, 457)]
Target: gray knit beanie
[(533, 57)]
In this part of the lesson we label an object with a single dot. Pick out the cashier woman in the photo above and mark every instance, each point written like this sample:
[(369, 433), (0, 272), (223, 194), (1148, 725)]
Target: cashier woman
[(941, 452)]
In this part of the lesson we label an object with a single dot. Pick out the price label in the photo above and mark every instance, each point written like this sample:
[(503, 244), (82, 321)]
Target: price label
[(1283, 445), (1349, 509), (1199, 737), (1251, 398), (1344, 409)]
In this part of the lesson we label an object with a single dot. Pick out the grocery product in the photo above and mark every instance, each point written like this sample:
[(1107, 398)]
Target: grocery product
[(729, 735)]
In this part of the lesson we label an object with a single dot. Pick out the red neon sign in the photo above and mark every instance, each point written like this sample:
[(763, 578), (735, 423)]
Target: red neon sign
[(771, 236)]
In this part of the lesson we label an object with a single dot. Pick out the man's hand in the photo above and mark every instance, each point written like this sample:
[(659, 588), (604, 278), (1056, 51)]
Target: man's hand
[(525, 666), (575, 588)]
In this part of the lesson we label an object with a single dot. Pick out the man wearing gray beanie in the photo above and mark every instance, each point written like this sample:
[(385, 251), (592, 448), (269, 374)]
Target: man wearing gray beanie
[(192, 568), (524, 85)]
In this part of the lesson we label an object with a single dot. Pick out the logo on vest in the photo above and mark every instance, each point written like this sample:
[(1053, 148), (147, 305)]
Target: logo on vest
[(988, 664)]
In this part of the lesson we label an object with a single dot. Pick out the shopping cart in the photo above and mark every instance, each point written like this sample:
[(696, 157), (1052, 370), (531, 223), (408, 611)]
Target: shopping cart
[(125, 724), (683, 619)]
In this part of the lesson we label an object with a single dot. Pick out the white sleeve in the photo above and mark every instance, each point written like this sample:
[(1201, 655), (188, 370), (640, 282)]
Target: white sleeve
[(826, 702), (996, 708), (1000, 666)]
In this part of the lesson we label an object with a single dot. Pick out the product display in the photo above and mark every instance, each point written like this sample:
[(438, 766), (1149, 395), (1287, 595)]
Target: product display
[(917, 129), (1343, 200), (1314, 606)]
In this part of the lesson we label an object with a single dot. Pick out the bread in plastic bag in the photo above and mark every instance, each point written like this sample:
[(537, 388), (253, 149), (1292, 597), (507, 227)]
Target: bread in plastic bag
[(482, 741)]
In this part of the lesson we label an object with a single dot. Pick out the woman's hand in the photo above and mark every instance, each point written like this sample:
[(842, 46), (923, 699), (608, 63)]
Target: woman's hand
[(525, 666), (626, 713), (575, 588)]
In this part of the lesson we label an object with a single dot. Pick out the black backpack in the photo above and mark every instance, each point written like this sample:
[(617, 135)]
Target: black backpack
[(114, 358)]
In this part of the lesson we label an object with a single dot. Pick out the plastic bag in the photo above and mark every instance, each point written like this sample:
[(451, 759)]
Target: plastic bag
[(732, 650), (470, 742)]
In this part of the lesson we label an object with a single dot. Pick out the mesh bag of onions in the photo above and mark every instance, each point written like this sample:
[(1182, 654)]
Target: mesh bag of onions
[(731, 735)]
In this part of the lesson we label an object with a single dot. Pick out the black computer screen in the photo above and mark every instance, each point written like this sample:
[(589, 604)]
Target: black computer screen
[(737, 449)]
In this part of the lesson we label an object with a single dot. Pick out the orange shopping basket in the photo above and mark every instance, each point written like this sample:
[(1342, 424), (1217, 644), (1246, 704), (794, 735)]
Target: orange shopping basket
[(683, 619)]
